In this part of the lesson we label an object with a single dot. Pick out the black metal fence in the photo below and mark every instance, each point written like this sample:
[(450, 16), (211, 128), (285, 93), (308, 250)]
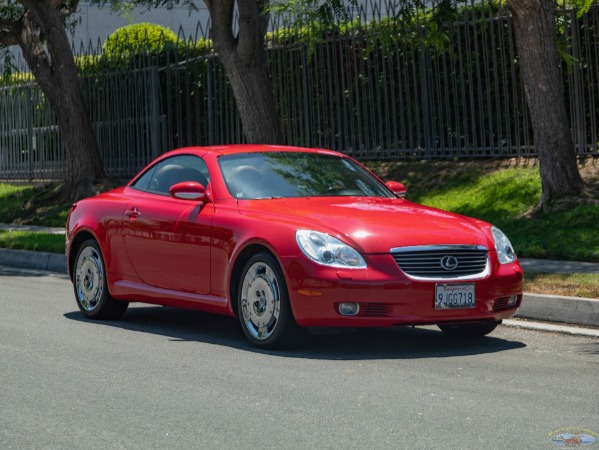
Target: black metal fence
[(381, 84)]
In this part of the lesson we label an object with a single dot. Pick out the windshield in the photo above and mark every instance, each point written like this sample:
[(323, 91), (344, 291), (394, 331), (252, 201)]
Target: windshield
[(297, 174)]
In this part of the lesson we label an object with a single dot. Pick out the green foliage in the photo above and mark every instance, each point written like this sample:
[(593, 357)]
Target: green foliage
[(25, 240), (569, 235), (505, 193), (12, 198), (15, 78), (124, 7), (200, 46), (582, 6), (311, 13), (6, 61), (151, 43), (138, 38), (11, 10), (312, 20), (35, 205)]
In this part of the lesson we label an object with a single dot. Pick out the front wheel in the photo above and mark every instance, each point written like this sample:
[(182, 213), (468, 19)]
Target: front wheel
[(470, 330), (91, 287), (263, 305)]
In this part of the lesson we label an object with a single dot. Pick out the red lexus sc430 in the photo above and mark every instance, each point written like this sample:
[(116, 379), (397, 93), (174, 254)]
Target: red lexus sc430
[(287, 238)]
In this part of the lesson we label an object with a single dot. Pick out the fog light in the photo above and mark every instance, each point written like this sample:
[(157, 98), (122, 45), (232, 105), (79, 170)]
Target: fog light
[(349, 309), (512, 300)]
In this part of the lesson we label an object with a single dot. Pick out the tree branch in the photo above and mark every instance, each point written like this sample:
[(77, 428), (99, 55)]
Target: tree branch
[(6, 24), (8, 38), (27, 37), (7, 32), (35, 7), (70, 8)]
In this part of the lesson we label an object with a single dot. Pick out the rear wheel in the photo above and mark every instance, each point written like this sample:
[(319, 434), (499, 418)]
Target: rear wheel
[(263, 305), (91, 287), (469, 329)]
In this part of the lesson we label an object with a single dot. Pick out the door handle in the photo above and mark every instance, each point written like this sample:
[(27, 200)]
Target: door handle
[(132, 213)]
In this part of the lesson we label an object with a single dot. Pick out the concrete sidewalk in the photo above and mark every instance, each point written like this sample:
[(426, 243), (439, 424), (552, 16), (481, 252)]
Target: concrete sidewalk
[(550, 308), (32, 228), (554, 266)]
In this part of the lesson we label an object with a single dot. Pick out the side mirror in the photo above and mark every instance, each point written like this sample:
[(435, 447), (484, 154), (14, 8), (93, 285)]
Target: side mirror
[(399, 189), (188, 190)]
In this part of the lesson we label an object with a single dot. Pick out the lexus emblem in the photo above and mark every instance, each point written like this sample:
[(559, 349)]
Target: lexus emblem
[(449, 263)]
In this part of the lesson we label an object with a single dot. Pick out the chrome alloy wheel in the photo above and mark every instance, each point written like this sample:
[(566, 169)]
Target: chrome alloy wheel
[(260, 300), (89, 278)]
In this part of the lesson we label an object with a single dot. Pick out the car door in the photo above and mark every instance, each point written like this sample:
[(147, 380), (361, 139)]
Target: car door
[(168, 239)]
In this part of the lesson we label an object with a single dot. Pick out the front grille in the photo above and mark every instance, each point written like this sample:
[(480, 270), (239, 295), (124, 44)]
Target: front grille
[(501, 304), (442, 261), (375, 310)]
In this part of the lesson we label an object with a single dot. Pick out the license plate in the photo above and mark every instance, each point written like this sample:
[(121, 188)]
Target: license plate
[(454, 296)]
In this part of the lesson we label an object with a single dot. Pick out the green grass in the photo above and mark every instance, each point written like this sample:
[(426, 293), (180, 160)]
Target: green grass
[(32, 205), (26, 240), (12, 199), (504, 194)]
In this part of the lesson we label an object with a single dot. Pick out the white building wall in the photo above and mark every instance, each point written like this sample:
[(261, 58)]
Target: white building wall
[(96, 24)]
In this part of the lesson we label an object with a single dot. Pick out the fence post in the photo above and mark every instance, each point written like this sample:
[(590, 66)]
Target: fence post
[(155, 128), (577, 116), (30, 137), (210, 99), (425, 83), (307, 97)]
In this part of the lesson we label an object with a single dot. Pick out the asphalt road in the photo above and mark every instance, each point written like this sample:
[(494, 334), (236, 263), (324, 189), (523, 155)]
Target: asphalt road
[(165, 378)]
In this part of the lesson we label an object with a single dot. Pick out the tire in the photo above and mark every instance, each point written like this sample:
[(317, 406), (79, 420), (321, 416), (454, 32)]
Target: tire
[(263, 305), (91, 286), (469, 330)]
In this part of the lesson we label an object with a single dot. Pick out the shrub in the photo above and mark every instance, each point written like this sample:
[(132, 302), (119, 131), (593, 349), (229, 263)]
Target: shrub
[(137, 39)]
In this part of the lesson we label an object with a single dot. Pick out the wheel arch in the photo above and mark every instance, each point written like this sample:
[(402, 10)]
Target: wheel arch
[(80, 238), (242, 258)]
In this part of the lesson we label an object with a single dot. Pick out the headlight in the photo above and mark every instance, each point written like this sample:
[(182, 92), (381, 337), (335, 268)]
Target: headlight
[(327, 250), (505, 251)]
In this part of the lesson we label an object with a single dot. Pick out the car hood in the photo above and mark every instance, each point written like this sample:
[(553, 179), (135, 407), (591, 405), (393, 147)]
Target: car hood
[(372, 225)]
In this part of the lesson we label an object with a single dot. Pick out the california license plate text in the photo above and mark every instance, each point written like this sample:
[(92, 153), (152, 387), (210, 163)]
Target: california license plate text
[(452, 296)]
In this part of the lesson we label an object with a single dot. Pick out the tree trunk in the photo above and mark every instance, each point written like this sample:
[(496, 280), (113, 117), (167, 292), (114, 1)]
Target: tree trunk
[(244, 60), (534, 25), (57, 77)]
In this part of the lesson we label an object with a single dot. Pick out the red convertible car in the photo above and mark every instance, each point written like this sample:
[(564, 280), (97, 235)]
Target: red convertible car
[(286, 238)]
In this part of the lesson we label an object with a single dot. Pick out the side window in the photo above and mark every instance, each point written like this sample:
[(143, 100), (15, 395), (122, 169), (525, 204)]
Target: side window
[(175, 170), (142, 183)]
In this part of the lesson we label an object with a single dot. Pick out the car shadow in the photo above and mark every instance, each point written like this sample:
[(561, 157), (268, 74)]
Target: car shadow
[(339, 344)]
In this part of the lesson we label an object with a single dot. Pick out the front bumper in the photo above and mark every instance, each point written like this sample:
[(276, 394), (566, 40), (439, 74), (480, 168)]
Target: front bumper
[(388, 297)]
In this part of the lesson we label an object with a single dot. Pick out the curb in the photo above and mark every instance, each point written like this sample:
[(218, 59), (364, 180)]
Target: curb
[(552, 328), (557, 308), (547, 308), (27, 259)]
